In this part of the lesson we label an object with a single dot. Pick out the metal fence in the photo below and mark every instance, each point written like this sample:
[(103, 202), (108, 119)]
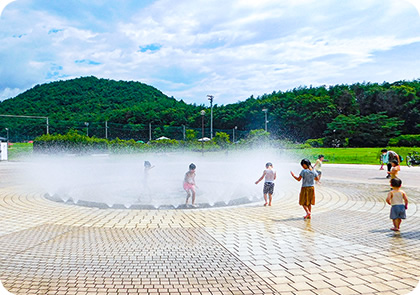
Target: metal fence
[(26, 129)]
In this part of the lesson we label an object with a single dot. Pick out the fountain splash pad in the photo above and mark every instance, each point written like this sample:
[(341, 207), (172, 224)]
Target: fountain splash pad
[(120, 181)]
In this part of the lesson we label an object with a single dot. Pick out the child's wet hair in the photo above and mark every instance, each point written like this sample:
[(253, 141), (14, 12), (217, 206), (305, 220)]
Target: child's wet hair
[(192, 166), (384, 150), (147, 164), (396, 182), (268, 164), (306, 162), (320, 156), (394, 162)]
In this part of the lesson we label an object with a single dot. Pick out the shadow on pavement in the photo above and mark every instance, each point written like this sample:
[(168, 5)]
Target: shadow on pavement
[(411, 235)]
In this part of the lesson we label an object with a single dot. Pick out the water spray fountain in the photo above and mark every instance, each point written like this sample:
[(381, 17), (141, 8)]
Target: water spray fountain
[(120, 181)]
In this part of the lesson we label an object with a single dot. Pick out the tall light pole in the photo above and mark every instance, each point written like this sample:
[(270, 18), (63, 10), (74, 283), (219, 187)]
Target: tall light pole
[(211, 115), (87, 128), (150, 131), (265, 111), (203, 112), (7, 130), (236, 127)]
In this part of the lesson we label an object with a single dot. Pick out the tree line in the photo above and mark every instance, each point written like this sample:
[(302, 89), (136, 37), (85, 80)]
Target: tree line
[(361, 114)]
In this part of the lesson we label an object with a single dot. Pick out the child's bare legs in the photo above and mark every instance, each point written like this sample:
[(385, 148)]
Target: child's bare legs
[(397, 223), (270, 198), (319, 178), (265, 199), (188, 196), (193, 197), (307, 209)]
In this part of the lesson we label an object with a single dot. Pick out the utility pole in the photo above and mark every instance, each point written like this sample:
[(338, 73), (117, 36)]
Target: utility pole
[(87, 128), (265, 111), (7, 130), (211, 115), (150, 131), (203, 112)]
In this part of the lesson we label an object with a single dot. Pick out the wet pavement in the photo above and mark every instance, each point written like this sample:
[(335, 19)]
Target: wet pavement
[(346, 248)]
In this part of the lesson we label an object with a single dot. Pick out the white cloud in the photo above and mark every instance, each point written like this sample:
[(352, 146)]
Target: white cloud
[(8, 93), (231, 49)]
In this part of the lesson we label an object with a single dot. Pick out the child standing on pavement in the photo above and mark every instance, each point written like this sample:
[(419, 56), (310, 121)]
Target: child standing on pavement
[(270, 175), (189, 184), (307, 192), (317, 167), (397, 198), (395, 169)]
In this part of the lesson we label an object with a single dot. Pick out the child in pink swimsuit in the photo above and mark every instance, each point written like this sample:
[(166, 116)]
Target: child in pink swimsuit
[(189, 184)]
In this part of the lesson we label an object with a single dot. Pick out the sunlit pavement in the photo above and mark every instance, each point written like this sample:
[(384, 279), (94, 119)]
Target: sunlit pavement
[(347, 247)]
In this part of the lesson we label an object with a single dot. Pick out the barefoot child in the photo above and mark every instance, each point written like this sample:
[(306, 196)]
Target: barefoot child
[(307, 193), (189, 184), (270, 175), (395, 169), (317, 167), (147, 167), (397, 198)]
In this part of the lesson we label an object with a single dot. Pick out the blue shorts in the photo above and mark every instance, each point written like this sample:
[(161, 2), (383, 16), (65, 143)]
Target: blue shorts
[(268, 188), (397, 212)]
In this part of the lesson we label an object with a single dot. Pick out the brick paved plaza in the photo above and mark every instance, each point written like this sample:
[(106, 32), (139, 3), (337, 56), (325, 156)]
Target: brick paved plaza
[(347, 247)]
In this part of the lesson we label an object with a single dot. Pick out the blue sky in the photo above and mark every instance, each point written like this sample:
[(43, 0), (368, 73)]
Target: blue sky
[(191, 48)]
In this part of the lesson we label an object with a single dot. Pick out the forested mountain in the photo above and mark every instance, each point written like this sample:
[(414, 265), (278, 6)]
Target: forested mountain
[(363, 114)]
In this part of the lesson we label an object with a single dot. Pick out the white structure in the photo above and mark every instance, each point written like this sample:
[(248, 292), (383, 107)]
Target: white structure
[(3, 151)]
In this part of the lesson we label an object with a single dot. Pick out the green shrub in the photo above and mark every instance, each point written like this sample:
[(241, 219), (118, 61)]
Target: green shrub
[(317, 142), (221, 139), (408, 140), (71, 142)]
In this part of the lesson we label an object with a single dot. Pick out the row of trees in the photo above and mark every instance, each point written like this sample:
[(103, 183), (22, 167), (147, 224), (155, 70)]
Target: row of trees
[(361, 114), (76, 142)]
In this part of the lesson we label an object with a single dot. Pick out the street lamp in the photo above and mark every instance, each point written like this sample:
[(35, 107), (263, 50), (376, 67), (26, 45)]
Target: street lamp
[(265, 111), (211, 115), (236, 128), (203, 112), (87, 128), (7, 130)]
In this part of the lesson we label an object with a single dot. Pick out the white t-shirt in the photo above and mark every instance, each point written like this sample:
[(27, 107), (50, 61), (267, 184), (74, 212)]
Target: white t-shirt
[(269, 175)]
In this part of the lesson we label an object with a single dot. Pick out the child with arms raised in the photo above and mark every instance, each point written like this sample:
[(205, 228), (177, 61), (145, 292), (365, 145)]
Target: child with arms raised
[(307, 192), (270, 175)]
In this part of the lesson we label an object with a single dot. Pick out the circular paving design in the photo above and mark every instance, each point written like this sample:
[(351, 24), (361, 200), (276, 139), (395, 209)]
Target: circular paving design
[(346, 248)]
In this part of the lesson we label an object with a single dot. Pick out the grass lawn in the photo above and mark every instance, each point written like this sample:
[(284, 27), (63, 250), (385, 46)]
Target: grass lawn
[(351, 155), (19, 150), (332, 155)]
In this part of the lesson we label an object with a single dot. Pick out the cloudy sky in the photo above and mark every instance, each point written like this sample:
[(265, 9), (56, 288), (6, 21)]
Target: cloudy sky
[(231, 49)]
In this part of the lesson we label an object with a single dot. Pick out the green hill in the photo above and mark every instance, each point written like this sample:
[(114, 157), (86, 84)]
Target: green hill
[(69, 104), (361, 114)]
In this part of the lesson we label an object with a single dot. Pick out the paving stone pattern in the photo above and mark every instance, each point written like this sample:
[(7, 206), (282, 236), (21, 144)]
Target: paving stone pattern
[(346, 248)]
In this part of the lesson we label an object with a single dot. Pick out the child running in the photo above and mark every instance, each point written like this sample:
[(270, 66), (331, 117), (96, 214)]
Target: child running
[(317, 167), (189, 184), (270, 175), (307, 193), (397, 198)]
